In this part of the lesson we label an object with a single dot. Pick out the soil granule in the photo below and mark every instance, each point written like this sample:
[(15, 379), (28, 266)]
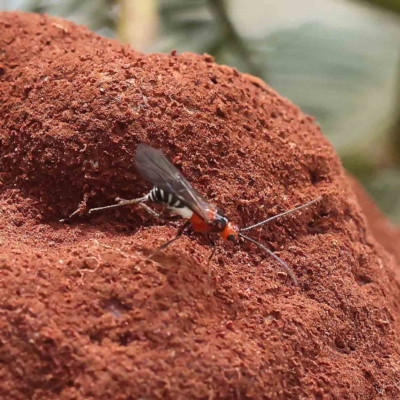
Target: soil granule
[(83, 315)]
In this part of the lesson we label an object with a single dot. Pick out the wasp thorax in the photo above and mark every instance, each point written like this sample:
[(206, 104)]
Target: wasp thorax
[(219, 221)]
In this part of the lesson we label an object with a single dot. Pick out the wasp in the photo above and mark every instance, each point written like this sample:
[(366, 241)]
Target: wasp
[(174, 192)]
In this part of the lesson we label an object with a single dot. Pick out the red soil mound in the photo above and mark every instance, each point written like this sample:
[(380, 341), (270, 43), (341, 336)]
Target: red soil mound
[(84, 316), (387, 234)]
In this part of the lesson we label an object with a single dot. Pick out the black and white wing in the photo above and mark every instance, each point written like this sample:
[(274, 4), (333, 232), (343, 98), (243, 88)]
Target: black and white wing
[(155, 168)]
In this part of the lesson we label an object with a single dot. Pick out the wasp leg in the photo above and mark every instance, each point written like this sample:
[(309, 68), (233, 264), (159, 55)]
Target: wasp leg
[(80, 210), (160, 216), (166, 244), (214, 246), (77, 211), (121, 202)]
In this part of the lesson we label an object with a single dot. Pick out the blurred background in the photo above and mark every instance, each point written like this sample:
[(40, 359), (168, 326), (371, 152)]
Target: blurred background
[(339, 60)]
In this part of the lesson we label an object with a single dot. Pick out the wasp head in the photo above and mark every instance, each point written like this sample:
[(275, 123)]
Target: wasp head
[(222, 225)]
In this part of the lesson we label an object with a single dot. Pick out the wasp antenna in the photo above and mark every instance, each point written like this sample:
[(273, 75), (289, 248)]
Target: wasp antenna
[(272, 254), (280, 215)]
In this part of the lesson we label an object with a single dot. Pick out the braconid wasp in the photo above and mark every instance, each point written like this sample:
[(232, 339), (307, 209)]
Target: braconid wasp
[(173, 191)]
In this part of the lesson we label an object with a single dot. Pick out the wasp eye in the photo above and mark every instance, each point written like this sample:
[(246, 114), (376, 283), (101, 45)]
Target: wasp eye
[(231, 238)]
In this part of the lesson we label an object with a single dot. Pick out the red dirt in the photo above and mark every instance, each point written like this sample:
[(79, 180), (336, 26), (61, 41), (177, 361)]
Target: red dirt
[(84, 316), (386, 233)]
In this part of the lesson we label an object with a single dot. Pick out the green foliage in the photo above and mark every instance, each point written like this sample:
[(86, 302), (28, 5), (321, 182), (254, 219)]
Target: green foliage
[(204, 26), (388, 5), (99, 15), (186, 26)]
